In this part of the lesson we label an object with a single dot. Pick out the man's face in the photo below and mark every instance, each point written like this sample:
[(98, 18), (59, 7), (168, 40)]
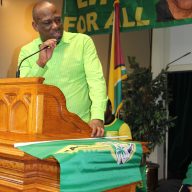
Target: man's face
[(48, 23)]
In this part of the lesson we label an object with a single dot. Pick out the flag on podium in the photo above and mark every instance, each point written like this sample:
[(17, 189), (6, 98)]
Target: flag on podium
[(117, 71), (88, 161)]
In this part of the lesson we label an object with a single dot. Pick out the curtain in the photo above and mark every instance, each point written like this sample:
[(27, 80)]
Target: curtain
[(180, 136)]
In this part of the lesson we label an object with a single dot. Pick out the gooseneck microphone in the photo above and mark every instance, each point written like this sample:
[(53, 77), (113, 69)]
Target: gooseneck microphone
[(177, 59), (18, 68)]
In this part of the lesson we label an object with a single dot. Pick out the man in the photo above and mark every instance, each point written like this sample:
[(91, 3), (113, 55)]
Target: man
[(114, 126), (70, 62), (173, 9)]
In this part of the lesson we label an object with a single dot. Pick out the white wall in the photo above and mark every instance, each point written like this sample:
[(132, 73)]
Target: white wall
[(178, 42), (170, 44)]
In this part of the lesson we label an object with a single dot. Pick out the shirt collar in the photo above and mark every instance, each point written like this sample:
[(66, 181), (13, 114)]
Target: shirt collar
[(66, 37)]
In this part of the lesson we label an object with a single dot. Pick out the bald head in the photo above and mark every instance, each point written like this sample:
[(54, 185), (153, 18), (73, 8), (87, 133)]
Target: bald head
[(40, 7)]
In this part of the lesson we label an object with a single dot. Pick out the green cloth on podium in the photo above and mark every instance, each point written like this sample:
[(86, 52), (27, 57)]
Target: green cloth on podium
[(92, 164), (142, 186)]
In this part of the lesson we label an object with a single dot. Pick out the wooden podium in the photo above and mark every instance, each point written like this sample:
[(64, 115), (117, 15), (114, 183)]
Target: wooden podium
[(32, 111)]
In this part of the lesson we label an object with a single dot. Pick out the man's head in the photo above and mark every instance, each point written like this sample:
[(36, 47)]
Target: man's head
[(47, 21)]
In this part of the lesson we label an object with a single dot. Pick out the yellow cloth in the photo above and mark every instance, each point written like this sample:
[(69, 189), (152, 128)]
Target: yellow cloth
[(118, 128)]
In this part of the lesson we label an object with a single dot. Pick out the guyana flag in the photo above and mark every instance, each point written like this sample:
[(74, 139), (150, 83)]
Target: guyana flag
[(117, 71), (91, 164)]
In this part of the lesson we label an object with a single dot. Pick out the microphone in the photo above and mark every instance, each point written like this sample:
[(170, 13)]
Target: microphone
[(178, 59), (18, 68)]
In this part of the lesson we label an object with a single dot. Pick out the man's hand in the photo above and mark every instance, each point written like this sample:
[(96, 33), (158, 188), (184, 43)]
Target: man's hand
[(46, 54), (97, 128)]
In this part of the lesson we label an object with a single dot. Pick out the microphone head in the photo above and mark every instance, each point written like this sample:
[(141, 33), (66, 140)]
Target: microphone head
[(58, 41)]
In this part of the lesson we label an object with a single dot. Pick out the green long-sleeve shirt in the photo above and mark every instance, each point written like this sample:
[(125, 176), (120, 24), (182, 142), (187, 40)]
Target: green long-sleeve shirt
[(74, 68)]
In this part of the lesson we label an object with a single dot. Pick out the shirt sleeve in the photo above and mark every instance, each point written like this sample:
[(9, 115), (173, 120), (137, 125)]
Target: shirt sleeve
[(95, 80), (29, 67), (125, 131)]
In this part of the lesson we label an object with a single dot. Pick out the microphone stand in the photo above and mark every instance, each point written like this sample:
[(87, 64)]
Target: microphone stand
[(18, 69), (177, 59)]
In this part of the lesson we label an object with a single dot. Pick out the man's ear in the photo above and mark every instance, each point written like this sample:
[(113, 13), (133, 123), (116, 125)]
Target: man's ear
[(35, 26)]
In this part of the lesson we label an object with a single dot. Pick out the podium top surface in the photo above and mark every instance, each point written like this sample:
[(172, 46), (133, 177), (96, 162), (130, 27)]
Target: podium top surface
[(18, 81)]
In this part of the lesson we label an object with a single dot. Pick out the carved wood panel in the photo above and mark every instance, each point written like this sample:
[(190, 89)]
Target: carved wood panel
[(14, 112)]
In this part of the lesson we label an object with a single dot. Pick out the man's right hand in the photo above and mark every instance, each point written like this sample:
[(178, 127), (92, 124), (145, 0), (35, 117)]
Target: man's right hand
[(97, 126), (46, 54)]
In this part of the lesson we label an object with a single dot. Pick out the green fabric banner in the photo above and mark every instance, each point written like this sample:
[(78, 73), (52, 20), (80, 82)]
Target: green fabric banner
[(92, 164), (96, 16)]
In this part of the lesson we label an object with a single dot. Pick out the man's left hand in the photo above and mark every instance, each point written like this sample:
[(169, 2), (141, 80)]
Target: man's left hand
[(97, 126)]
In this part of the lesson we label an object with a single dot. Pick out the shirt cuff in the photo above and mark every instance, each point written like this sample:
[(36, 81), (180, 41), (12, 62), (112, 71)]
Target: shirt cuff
[(96, 115), (38, 71)]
